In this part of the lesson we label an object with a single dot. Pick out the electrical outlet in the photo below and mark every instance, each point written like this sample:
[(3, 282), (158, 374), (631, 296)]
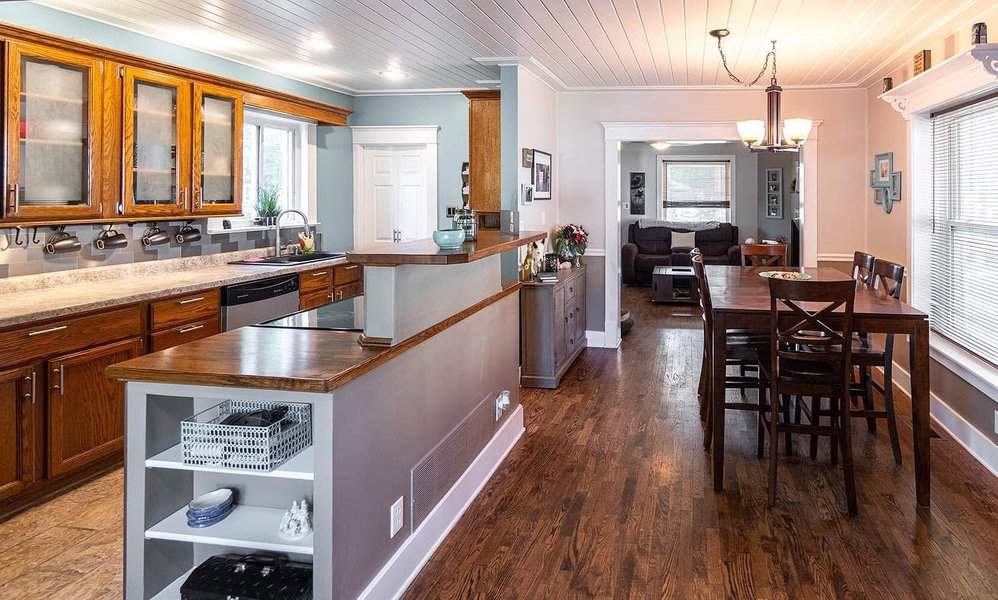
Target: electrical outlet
[(451, 211), (396, 516)]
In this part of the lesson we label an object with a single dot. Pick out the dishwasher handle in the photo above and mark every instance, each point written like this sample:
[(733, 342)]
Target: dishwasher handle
[(255, 291)]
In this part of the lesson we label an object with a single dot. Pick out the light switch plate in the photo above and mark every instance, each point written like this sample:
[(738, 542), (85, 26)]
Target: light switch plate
[(397, 516)]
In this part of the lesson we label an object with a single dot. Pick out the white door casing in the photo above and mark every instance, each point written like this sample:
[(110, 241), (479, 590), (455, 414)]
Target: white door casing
[(395, 183)]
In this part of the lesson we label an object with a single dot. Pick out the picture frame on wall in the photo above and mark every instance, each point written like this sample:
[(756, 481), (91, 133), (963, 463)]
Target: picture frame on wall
[(637, 204), (883, 166), (774, 193), (540, 175)]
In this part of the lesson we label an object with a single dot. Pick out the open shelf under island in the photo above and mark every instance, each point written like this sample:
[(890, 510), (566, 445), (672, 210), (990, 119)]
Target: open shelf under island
[(425, 417)]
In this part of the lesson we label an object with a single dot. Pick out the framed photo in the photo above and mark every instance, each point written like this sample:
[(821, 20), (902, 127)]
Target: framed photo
[(637, 193), (540, 175), (526, 194), (883, 166), (527, 158), (774, 206), (895, 189), (774, 175)]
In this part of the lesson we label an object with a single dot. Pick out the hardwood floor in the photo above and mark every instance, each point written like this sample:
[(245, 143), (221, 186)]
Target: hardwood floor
[(608, 495)]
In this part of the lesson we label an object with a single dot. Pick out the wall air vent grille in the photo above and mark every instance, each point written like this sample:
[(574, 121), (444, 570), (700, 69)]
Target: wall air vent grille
[(440, 468)]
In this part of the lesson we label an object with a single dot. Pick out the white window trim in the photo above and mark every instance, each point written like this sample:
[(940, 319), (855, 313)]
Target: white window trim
[(305, 164), (733, 173), (967, 75)]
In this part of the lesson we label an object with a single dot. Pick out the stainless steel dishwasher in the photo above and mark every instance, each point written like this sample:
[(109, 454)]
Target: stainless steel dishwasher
[(259, 301)]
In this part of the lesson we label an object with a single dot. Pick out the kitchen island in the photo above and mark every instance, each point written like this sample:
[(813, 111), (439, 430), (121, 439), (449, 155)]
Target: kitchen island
[(420, 419)]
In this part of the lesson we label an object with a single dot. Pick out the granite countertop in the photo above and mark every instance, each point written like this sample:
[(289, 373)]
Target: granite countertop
[(425, 252), (40, 297)]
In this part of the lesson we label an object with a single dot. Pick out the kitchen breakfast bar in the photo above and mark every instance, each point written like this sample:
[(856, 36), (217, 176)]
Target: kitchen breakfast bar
[(415, 412)]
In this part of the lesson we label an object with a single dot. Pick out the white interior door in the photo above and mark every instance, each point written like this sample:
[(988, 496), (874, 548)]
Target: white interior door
[(398, 198)]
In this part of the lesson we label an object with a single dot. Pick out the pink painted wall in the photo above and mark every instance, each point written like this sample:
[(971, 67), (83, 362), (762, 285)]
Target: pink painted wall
[(842, 174)]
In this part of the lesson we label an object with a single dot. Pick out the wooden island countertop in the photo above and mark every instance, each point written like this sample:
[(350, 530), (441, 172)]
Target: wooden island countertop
[(425, 252), (299, 360)]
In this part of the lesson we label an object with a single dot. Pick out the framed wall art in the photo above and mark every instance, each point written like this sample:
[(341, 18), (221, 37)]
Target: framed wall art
[(540, 175)]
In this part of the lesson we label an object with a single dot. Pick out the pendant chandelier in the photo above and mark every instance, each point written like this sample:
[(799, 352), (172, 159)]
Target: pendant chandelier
[(764, 136)]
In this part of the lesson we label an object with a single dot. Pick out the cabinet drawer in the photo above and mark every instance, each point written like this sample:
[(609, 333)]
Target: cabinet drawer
[(28, 343), (571, 323), (184, 309), (342, 292), (314, 299), (181, 334), (572, 288), (344, 274), (318, 280)]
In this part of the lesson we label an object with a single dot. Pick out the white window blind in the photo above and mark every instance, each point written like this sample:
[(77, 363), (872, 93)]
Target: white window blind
[(964, 236), (696, 191)]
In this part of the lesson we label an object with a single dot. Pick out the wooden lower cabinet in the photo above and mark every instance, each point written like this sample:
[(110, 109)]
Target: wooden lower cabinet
[(86, 409), (552, 327), (19, 429)]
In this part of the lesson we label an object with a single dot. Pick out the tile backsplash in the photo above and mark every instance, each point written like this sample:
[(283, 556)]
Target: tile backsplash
[(30, 257)]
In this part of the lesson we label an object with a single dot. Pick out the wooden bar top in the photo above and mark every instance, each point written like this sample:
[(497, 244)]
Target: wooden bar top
[(425, 252), (299, 360)]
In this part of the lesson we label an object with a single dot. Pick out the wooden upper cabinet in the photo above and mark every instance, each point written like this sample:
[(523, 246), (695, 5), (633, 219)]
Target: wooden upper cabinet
[(18, 429), (156, 143), (217, 149), (53, 117), (483, 150)]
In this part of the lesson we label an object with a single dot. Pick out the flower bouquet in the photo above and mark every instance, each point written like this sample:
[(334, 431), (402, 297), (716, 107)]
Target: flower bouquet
[(570, 242)]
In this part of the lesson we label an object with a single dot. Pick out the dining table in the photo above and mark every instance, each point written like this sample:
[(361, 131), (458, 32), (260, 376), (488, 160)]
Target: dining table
[(740, 299)]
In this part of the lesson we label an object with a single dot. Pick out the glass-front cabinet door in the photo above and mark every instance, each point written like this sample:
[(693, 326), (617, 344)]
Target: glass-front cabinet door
[(53, 133), (218, 124), (156, 158)]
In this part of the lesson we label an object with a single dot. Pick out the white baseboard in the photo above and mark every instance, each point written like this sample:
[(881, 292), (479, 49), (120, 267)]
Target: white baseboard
[(595, 339), (396, 575), (973, 441)]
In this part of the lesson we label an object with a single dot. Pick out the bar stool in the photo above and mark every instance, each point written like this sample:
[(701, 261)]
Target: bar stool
[(810, 358), (743, 349), (866, 354), (764, 255)]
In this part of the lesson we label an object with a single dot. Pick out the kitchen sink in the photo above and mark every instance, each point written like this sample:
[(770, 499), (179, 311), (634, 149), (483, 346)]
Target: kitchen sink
[(289, 259)]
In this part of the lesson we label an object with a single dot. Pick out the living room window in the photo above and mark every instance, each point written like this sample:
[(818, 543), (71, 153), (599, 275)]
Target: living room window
[(696, 190), (963, 263)]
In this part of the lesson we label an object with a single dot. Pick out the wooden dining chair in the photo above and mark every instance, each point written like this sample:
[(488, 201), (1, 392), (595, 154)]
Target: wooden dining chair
[(743, 349), (866, 354), (810, 358), (764, 255), (862, 266)]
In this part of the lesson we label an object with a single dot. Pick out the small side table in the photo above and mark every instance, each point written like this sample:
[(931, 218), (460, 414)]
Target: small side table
[(674, 284)]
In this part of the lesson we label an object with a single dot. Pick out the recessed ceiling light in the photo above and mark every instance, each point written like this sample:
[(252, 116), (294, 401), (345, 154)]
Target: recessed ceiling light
[(659, 146), (393, 74), (318, 42)]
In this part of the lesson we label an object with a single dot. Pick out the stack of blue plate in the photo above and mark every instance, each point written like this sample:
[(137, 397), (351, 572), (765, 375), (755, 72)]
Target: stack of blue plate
[(210, 508)]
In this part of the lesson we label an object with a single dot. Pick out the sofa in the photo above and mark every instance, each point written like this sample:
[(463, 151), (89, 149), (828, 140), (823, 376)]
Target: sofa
[(650, 247)]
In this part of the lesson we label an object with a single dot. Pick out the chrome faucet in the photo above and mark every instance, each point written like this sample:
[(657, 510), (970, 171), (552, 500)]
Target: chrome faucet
[(277, 228)]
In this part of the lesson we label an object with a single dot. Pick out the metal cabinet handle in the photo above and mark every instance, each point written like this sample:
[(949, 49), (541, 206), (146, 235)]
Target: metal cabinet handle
[(190, 300), (59, 386), (49, 330), (31, 394), (320, 273), (350, 267), (189, 328)]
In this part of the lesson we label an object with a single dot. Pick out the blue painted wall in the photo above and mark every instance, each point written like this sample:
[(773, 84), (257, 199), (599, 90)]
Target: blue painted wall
[(56, 22)]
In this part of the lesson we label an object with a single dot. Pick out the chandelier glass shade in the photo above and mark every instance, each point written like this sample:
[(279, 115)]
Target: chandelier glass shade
[(767, 136)]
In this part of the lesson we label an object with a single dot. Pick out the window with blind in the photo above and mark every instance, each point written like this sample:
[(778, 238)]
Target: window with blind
[(964, 236), (696, 191)]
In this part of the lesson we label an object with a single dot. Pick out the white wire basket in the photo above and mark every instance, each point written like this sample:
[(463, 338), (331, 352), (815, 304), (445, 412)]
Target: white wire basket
[(206, 442)]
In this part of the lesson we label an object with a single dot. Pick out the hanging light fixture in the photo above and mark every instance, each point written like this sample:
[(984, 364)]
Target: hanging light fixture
[(764, 136)]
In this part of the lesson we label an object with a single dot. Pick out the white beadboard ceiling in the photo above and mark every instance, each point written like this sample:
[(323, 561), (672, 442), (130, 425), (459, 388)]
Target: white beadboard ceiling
[(578, 44)]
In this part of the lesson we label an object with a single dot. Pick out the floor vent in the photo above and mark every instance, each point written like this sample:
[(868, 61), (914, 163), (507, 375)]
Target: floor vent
[(439, 469)]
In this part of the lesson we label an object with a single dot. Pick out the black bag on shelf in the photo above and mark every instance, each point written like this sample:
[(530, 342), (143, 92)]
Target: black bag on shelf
[(249, 577)]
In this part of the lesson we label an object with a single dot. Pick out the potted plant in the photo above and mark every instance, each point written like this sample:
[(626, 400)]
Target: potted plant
[(268, 205), (570, 243)]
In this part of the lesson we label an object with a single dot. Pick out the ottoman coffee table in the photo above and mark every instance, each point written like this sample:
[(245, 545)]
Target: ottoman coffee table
[(674, 284)]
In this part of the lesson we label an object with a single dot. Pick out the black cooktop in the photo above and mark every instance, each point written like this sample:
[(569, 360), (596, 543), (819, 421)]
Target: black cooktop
[(343, 315)]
